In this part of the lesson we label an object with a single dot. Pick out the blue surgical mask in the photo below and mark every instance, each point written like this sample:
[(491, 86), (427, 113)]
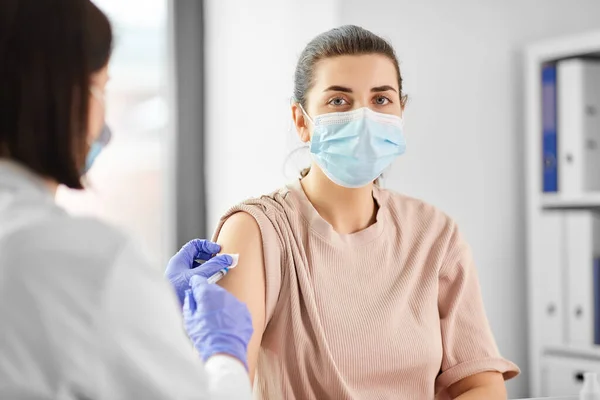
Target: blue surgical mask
[(103, 138), (97, 146), (354, 148)]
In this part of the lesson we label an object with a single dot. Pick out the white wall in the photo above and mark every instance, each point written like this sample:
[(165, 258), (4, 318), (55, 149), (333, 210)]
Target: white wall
[(252, 48), (462, 66)]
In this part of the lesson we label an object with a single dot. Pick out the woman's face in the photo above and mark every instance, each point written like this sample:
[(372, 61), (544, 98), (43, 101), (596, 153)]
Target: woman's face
[(97, 106), (347, 83)]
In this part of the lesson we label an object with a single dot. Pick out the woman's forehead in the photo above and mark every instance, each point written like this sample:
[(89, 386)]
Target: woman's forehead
[(358, 72)]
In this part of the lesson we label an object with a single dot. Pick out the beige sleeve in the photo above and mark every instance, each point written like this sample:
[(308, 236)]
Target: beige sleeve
[(272, 250), (469, 346)]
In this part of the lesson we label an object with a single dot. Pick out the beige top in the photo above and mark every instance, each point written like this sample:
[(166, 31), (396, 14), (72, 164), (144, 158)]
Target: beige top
[(390, 312)]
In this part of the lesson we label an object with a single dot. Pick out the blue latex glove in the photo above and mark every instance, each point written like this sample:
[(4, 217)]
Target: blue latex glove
[(183, 266), (215, 321)]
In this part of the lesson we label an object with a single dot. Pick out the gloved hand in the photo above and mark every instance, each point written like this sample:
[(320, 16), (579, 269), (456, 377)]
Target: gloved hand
[(183, 266), (215, 321)]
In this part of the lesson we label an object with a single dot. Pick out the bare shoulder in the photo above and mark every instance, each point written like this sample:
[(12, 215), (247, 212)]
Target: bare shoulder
[(240, 234), (239, 230)]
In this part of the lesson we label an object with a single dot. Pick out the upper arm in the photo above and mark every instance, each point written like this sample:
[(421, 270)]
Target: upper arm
[(240, 234), (488, 384)]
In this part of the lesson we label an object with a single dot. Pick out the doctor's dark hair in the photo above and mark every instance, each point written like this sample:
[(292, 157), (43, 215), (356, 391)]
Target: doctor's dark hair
[(48, 51), (342, 41)]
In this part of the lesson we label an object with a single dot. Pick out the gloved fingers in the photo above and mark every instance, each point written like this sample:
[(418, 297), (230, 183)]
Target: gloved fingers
[(189, 304), (196, 281), (195, 249), (183, 259), (205, 294), (199, 287), (205, 249), (211, 267)]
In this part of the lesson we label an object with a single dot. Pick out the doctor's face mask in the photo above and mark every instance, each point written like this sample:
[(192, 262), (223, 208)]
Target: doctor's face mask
[(102, 139)]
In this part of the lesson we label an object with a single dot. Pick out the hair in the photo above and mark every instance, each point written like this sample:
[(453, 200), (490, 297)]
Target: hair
[(342, 41), (48, 51)]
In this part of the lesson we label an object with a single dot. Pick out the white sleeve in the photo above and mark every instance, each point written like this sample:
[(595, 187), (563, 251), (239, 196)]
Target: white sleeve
[(144, 350)]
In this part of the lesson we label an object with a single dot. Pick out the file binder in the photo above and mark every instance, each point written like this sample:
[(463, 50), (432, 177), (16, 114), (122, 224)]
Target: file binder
[(582, 244), (549, 248), (578, 133), (597, 301), (549, 137)]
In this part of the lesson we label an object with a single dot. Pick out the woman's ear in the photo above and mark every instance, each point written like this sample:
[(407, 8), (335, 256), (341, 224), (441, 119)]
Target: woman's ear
[(301, 123)]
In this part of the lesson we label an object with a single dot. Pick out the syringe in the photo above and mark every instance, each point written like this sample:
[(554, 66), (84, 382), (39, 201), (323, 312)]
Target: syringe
[(220, 274)]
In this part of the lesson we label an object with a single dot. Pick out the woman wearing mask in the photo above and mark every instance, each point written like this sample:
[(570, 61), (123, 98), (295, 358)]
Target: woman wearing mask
[(83, 314), (357, 292)]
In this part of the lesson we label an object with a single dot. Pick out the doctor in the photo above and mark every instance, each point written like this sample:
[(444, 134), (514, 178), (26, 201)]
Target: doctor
[(83, 315)]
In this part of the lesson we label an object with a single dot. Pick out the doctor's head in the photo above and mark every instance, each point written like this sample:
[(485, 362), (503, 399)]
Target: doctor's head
[(348, 70), (53, 71)]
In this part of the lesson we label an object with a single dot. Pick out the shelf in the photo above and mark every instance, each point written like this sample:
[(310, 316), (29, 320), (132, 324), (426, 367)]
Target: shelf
[(548, 231), (586, 44), (566, 202), (591, 353)]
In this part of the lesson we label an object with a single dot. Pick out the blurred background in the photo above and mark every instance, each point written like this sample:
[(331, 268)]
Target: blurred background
[(199, 106), (128, 186)]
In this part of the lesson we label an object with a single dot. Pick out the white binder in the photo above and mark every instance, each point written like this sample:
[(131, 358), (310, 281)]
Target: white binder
[(550, 250), (582, 244), (578, 107)]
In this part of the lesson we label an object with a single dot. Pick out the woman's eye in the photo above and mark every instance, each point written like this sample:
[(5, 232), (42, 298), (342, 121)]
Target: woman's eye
[(381, 100), (338, 101)]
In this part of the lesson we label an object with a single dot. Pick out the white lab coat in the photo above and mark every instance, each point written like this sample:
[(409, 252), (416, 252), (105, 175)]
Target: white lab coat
[(83, 315)]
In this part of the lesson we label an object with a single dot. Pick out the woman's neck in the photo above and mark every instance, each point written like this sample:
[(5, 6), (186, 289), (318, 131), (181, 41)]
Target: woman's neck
[(346, 210), (51, 185)]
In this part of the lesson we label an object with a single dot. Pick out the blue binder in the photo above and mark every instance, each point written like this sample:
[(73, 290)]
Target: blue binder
[(549, 145), (596, 279)]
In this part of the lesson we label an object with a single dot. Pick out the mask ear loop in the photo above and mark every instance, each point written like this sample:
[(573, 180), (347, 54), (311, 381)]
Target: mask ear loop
[(305, 146), (306, 114)]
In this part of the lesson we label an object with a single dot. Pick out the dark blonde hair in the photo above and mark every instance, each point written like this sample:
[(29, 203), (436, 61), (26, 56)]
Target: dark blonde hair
[(345, 40)]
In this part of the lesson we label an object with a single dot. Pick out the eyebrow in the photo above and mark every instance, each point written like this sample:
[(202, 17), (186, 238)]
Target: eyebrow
[(344, 89), (335, 88), (383, 88)]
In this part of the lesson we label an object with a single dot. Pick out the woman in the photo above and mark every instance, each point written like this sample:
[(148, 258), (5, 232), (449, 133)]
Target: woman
[(83, 314), (356, 291)]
